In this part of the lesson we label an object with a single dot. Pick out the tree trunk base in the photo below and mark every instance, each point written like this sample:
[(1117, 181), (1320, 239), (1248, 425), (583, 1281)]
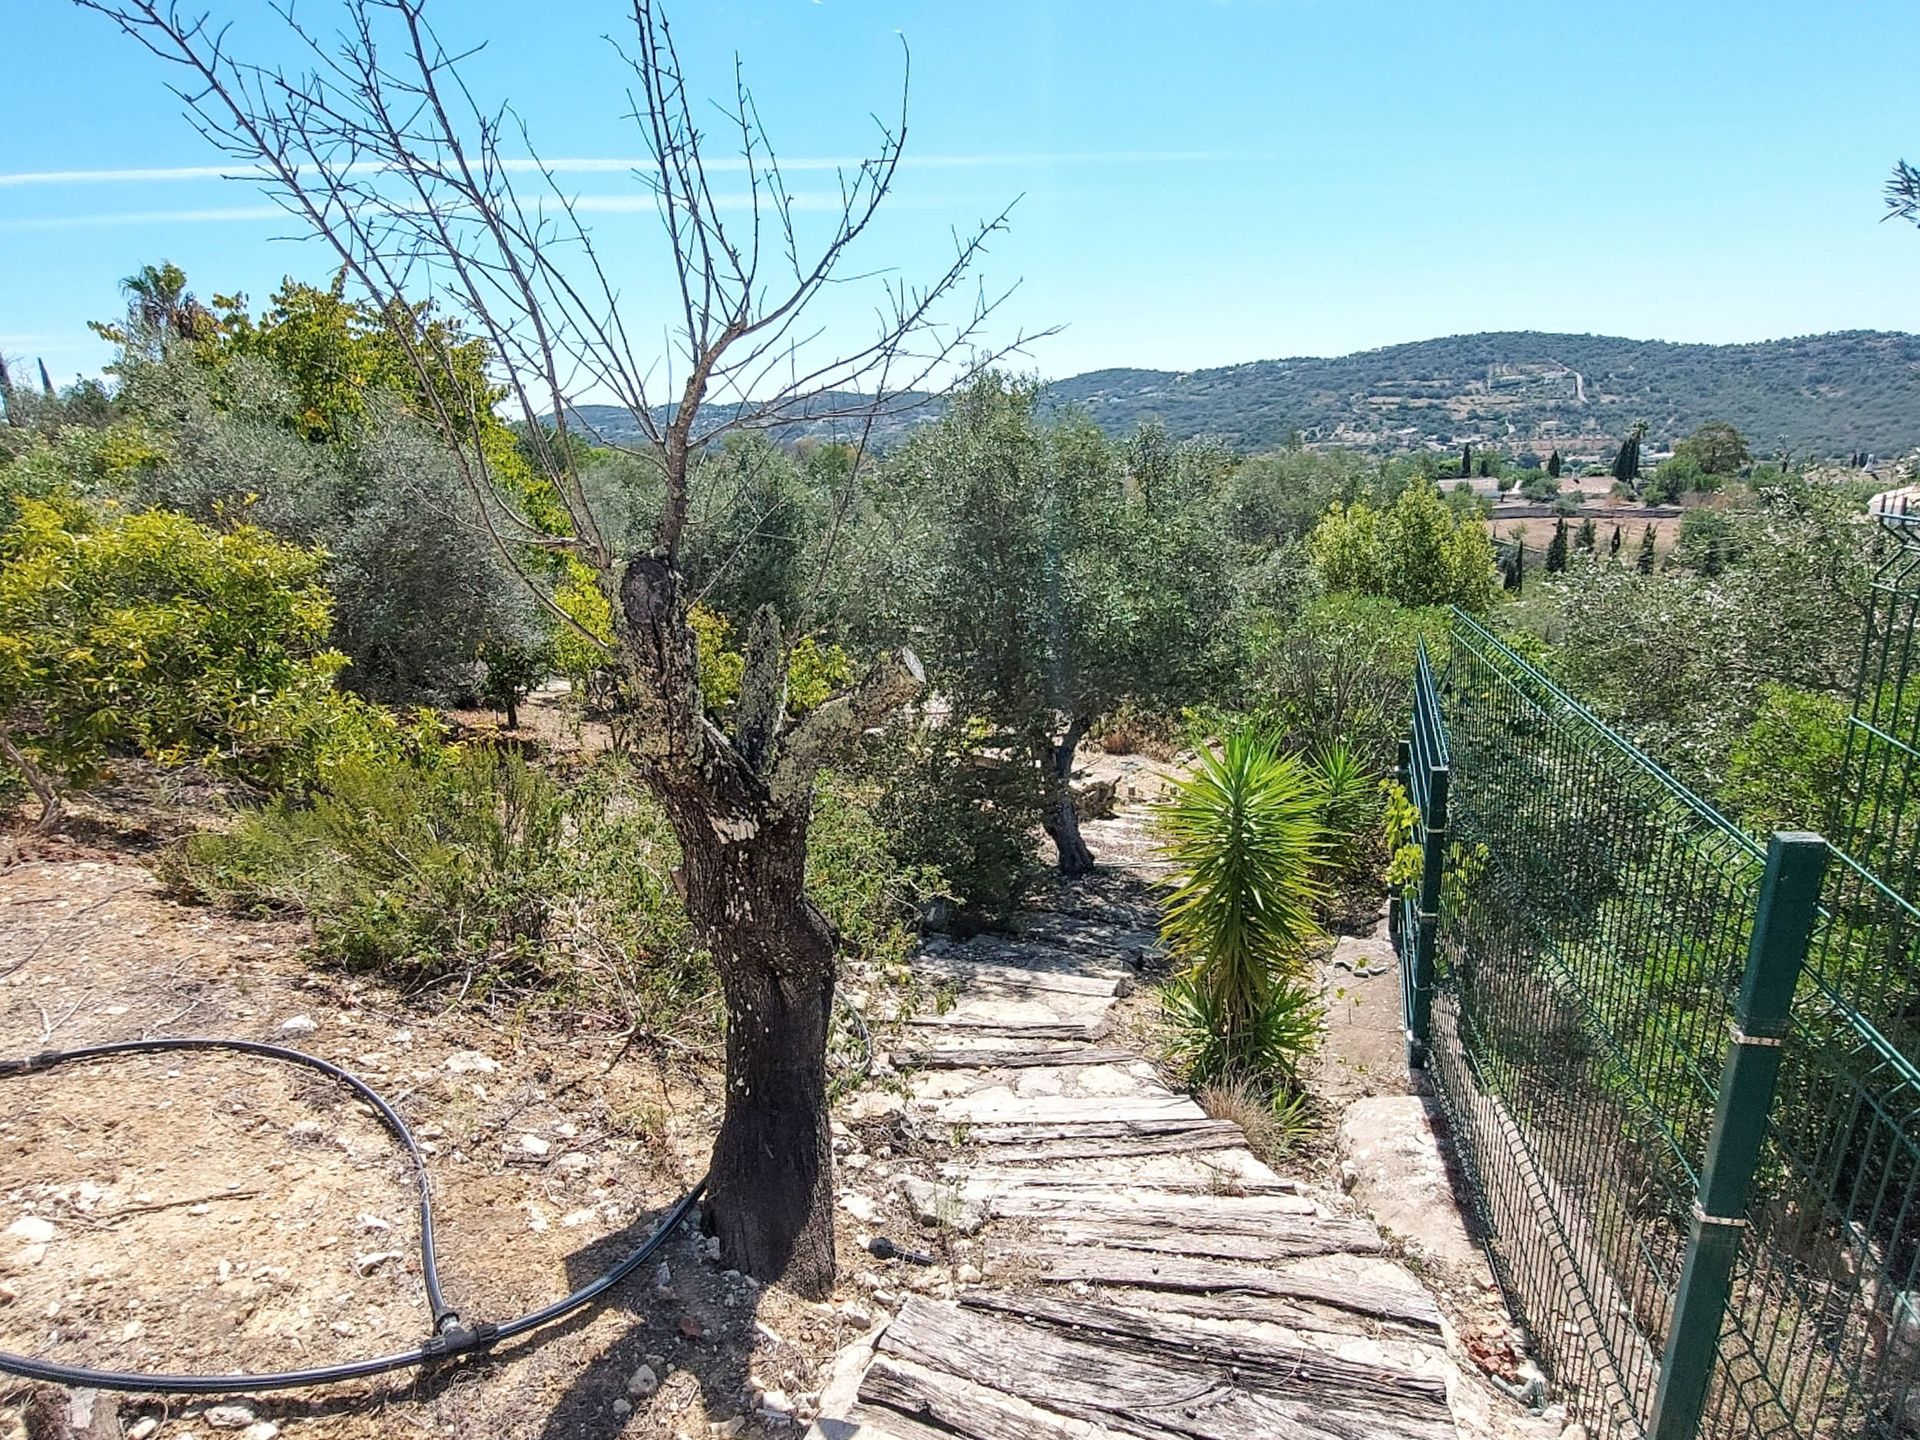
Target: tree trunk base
[(770, 1187)]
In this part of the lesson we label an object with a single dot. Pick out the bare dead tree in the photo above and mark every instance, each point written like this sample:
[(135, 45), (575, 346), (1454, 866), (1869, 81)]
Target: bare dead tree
[(379, 148)]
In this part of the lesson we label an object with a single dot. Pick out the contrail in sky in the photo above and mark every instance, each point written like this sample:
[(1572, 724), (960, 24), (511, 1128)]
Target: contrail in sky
[(590, 166)]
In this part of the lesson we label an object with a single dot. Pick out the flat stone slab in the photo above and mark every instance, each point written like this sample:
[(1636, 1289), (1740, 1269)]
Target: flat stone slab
[(1391, 1160)]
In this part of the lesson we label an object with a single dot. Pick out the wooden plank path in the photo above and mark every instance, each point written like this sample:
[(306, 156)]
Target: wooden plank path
[(1144, 1274)]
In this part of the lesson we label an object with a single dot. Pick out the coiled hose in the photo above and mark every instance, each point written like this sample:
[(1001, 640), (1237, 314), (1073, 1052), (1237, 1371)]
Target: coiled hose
[(451, 1337)]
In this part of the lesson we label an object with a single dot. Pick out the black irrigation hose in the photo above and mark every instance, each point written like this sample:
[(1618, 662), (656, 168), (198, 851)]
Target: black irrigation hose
[(450, 1337)]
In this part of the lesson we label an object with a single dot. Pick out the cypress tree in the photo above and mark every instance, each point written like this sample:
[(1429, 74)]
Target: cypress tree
[(1466, 461), (1557, 548), (1486, 465), (1645, 565), (1626, 464), (1613, 547), (1553, 464), (1513, 572), (1589, 539), (46, 380)]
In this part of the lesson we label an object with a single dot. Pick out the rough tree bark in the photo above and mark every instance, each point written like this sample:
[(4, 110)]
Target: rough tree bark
[(1060, 819)]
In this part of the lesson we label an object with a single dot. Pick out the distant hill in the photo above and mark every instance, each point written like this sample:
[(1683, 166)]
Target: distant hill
[(1820, 395)]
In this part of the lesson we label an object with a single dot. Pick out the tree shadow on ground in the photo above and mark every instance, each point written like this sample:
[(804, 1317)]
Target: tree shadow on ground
[(696, 1333)]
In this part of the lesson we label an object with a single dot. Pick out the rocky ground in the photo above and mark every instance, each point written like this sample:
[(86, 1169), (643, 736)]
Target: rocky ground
[(213, 1212), (223, 1213)]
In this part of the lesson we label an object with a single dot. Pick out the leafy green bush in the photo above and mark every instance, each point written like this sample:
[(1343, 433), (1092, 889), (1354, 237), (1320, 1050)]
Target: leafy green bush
[(1416, 551), (152, 634), (1788, 771), (1350, 804), (1337, 673), (1271, 1043), (951, 803), (870, 897), (1244, 835)]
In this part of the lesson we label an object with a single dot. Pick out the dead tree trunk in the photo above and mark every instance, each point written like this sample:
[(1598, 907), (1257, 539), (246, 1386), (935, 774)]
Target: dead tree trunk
[(1059, 818), (740, 808), (771, 1179)]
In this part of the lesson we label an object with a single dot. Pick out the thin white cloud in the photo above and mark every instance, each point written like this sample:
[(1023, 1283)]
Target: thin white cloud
[(110, 177), (579, 165), (224, 215), (585, 204)]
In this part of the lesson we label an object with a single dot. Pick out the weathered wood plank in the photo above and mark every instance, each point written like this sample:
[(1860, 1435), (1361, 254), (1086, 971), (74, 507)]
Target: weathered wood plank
[(1098, 960), (1273, 1363), (1224, 1214), (1213, 1277), (1289, 1237), (1000, 1106), (1120, 1148), (1015, 1059), (1202, 1183), (963, 1408), (1304, 1315), (875, 1422), (1015, 1029), (987, 974), (1113, 1379)]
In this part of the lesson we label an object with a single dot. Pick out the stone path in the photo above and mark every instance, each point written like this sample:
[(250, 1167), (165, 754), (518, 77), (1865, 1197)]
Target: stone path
[(1140, 1273)]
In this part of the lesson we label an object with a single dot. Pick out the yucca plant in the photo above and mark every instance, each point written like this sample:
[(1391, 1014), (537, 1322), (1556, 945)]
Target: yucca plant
[(1349, 809), (1245, 835)]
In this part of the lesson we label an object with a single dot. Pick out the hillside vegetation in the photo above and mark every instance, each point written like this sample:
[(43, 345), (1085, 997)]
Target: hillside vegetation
[(1816, 396)]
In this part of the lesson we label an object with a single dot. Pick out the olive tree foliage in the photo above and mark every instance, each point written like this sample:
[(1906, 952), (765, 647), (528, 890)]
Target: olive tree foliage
[(1046, 579), (1685, 661), (383, 152)]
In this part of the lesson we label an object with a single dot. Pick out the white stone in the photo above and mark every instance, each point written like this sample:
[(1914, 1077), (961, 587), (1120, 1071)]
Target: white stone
[(367, 1264), (142, 1428), (298, 1025), (776, 1402), (860, 1207), (942, 1205), (1399, 1177), (534, 1145), (33, 1229), (234, 1415), (471, 1062), (262, 1430)]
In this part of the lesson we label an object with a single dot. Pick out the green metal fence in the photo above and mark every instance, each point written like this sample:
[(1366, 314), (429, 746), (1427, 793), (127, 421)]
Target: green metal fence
[(1619, 985)]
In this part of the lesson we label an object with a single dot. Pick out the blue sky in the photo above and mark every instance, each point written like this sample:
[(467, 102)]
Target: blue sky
[(1201, 181)]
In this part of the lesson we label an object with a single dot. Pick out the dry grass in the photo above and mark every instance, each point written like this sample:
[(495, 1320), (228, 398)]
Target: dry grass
[(1273, 1126)]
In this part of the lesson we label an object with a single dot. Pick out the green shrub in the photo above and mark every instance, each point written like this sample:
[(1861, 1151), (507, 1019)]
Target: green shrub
[(1338, 674), (1417, 551), (152, 634), (1268, 1045), (870, 897), (1243, 832), (1789, 770), (1349, 803), (469, 861), (951, 802)]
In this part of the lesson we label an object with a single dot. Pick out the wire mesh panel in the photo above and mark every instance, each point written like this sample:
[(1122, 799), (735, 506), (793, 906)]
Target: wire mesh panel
[(1595, 921), (1823, 1330), (1594, 925)]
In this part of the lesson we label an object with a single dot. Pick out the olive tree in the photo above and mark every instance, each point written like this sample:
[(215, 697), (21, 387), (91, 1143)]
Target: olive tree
[(383, 152), (1048, 575)]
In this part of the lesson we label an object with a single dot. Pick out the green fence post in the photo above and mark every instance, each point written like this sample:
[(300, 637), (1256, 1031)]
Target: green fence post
[(1782, 926), (1426, 920)]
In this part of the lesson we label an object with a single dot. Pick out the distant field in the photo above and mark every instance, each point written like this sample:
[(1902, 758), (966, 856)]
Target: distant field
[(1537, 531)]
